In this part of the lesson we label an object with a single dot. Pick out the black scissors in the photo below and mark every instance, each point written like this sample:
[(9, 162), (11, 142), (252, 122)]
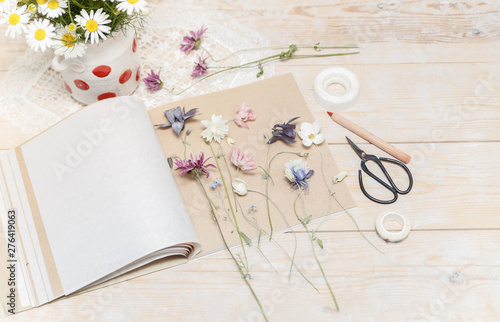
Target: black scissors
[(391, 186)]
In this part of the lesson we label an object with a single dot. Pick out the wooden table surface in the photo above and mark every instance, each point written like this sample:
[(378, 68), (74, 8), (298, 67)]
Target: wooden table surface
[(430, 84)]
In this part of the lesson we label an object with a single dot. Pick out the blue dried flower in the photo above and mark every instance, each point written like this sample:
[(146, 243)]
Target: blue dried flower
[(215, 184), (252, 208), (285, 132), (177, 118), (297, 172)]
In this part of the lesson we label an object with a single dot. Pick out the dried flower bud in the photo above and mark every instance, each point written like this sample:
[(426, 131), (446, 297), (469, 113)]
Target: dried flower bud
[(239, 187), (339, 177), (231, 142), (145, 12), (188, 131)]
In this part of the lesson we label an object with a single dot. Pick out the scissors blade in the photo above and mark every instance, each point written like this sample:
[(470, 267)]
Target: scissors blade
[(361, 154)]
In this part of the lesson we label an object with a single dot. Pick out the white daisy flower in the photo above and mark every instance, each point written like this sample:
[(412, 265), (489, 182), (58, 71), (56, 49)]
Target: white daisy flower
[(16, 21), (53, 8), (68, 44), (7, 5), (94, 25), (39, 35), (309, 133), (131, 6), (217, 129)]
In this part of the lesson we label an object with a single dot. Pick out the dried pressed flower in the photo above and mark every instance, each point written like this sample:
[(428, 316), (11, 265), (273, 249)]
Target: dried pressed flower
[(193, 41), (297, 172), (309, 133), (239, 186), (194, 166), (244, 114), (153, 81), (200, 67), (177, 118), (216, 129), (285, 132), (242, 160)]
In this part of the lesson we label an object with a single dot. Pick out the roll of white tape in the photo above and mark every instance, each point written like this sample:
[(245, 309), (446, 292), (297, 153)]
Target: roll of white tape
[(336, 75), (389, 236)]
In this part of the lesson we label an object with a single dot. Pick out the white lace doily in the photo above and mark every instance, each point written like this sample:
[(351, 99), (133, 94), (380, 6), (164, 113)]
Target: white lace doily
[(33, 96)]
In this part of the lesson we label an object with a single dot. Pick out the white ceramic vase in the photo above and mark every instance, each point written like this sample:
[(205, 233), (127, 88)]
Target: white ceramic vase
[(108, 69)]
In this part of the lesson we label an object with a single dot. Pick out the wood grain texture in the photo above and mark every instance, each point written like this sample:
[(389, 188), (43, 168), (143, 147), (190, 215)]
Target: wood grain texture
[(430, 84)]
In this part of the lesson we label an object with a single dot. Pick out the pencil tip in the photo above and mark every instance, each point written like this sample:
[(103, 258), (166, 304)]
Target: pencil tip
[(329, 113)]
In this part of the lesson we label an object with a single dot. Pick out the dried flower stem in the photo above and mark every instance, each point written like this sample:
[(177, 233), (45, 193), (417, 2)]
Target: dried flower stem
[(268, 170), (317, 47), (292, 262), (257, 63), (230, 205), (230, 175), (313, 249), (230, 253), (338, 202)]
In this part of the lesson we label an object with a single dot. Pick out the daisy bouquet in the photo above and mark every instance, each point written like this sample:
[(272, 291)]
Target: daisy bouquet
[(69, 26)]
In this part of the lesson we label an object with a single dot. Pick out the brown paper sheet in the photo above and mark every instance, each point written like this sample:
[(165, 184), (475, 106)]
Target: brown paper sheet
[(274, 100)]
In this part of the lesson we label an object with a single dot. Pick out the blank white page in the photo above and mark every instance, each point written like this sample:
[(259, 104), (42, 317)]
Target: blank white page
[(105, 192)]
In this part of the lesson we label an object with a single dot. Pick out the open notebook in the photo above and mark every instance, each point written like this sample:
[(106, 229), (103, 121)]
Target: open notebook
[(95, 197)]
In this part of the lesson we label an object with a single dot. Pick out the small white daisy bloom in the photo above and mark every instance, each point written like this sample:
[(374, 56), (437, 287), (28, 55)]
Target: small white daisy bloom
[(131, 6), (7, 5), (68, 44), (309, 133), (16, 21), (53, 8), (94, 25), (39, 35), (217, 129)]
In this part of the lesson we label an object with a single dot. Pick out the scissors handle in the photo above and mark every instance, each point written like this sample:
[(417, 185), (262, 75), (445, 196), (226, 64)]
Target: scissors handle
[(391, 186)]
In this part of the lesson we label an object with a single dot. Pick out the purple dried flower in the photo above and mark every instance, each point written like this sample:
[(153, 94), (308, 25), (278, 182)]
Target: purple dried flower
[(153, 81), (200, 67), (192, 42), (285, 132), (297, 172), (194, 166), (177, 118)]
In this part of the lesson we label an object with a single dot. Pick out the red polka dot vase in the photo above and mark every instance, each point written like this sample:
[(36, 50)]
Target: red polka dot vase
[(108, 69)]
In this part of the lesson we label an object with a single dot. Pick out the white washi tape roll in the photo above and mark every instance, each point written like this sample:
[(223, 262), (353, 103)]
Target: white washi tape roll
[(336, 75), (389, 236)]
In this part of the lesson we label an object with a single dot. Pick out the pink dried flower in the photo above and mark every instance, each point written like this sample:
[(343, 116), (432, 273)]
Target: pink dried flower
[(244, 114), (194, 166), (200, 67), (192, 42), (242, 160), (153, 81)]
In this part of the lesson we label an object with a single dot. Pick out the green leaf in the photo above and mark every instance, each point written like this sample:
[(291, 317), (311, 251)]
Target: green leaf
[(320, 242), (313, 234), (220, 156), (258, 240), (308, 218), (288, 54), (261, 70), (316, 47), (245, 237), (186, 143)]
